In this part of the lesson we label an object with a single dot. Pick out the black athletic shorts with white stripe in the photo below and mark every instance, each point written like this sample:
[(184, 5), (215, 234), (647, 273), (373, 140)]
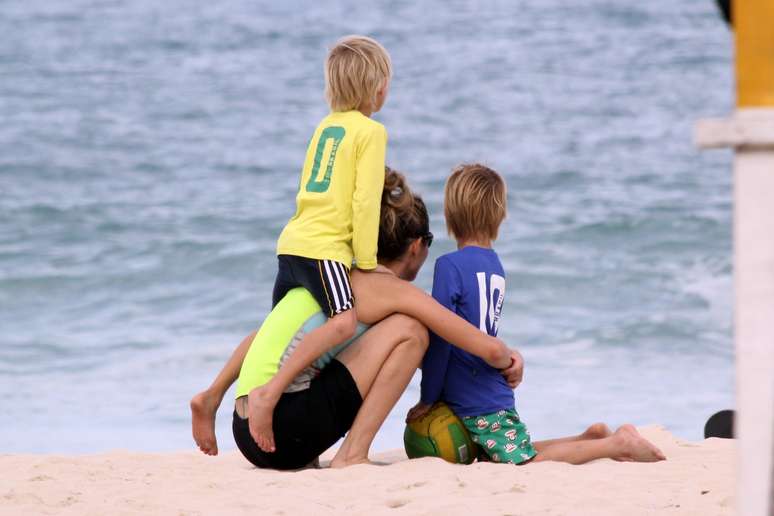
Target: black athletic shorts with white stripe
[(326, 280)]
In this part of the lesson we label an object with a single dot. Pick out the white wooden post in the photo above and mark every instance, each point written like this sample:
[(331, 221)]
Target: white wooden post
[(751, 133)]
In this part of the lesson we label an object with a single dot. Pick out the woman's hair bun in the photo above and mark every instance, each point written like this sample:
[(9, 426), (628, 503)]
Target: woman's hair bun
[(396, 193), (403, 215)]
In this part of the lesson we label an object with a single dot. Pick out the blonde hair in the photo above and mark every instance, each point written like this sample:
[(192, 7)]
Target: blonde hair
[(475, 202), (356, 69)]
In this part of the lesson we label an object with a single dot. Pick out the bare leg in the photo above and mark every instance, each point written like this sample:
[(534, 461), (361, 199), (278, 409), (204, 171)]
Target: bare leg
[(595, 431), (626, 444), (204, 405), (382, 363), (262, 400)]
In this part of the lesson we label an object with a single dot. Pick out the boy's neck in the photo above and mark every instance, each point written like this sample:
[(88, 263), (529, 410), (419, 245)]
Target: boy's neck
[(486, 243), (367, 109), (364, 111)]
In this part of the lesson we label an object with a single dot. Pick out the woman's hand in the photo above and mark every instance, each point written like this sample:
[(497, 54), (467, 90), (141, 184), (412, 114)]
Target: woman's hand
[(514, 373), (417, 412)]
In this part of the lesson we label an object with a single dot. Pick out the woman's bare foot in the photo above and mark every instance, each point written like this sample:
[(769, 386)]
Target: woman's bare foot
[(260, 412), (338, 463), (634, 447), (204, 406), (344, 458), (597, 431)]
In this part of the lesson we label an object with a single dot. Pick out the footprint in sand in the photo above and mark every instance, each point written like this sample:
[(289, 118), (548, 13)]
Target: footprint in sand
[(394, 504), (518, 488), (40, 478)]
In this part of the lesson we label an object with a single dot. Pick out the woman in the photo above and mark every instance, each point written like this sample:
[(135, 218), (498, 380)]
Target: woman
[(358, 387)]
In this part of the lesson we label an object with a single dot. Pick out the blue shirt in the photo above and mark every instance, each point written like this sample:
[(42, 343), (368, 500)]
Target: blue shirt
[(471, 283)]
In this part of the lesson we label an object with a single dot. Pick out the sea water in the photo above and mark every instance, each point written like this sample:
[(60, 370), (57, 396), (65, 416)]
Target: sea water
[(150, 153)]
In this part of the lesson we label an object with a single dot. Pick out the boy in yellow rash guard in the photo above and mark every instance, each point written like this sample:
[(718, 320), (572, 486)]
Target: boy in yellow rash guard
[(337, 213), (337, 206)]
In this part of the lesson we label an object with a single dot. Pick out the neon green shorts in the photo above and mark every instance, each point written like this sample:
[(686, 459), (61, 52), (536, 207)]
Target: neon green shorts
[(501, 436)]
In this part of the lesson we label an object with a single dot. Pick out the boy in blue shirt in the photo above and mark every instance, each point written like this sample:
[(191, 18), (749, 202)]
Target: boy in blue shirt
[(471, 283)]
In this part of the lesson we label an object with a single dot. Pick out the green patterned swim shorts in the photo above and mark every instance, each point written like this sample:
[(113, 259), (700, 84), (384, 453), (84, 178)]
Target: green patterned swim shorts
[(502, 436)]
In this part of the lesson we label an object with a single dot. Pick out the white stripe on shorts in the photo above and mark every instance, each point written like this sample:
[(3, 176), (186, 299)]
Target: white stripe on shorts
[(348, 301), (332, 284), (344, 297), (347, 285)]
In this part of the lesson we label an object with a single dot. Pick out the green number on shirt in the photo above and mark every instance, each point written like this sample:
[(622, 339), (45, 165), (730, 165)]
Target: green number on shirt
[(336, 134)]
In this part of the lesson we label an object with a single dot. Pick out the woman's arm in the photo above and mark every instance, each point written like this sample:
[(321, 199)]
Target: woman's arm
[(230, 372), (379, 295)]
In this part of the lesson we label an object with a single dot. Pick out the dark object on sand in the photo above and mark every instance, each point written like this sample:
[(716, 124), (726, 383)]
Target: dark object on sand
[(725, 10), (721, 424)]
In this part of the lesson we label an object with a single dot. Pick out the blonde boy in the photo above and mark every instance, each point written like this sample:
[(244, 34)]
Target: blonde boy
[(471, 283), (337, 212)]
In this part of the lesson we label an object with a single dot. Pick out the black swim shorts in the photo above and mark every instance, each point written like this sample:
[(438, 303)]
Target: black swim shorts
[(326, 280), (306, 423)]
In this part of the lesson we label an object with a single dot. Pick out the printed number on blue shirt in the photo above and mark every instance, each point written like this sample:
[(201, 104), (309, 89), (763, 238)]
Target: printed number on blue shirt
[(491, 295)]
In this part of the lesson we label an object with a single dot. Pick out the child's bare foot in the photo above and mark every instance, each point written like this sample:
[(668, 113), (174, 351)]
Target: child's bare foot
[(204, 406), (260, 412), (634, 447), (597, 431)]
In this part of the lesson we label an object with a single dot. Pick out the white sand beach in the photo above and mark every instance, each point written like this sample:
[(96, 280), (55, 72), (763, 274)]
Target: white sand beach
[(698, 478)]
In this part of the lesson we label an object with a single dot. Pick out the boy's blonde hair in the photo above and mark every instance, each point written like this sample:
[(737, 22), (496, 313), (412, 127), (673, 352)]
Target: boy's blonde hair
[(475, 202), (356, 69)]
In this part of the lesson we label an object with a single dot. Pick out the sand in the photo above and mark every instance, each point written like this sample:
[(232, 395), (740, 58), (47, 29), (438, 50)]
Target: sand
[(698, 478)]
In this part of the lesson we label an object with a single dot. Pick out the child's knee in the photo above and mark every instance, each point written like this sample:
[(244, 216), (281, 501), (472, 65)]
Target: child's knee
[(345, 324)]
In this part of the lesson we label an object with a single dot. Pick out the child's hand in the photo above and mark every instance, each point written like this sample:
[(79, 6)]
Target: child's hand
[(417, 412), (515, 372)]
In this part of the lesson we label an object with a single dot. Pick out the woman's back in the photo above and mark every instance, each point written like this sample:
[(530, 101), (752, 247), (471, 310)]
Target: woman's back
[(295, 315)]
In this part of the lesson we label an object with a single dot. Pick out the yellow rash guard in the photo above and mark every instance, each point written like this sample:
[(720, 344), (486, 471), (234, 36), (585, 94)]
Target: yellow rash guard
[(339, 196), (297, 313)]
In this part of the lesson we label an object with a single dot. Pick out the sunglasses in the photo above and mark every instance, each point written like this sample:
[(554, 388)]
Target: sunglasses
[(427, 238)]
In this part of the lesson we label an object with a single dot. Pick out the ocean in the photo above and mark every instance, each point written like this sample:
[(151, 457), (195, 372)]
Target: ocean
[(150, 154)]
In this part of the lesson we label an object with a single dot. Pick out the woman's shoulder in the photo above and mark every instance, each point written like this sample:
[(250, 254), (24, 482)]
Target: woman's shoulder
[(375, 277), (383, 285)]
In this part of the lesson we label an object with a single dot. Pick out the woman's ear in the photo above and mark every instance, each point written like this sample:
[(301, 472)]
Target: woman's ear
[(416, 246)]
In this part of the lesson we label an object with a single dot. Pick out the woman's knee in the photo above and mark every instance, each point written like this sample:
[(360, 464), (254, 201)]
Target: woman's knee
[(411, 330)]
